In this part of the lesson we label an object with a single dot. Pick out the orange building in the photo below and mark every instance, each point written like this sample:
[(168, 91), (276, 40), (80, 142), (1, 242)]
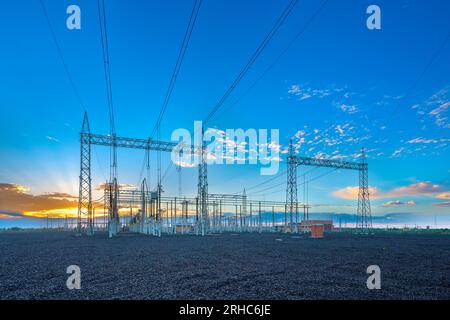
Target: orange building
[(305, 226), (317, 230)]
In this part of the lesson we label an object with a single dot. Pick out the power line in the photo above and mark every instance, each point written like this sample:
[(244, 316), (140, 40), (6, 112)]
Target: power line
[(264, 182), (180, 58), (268, 188), (421, 75), (278, 184), (277, 59), (252, 60), (106, 67), (61, 56), (264, 194), (312, 179), (167, 170), (321, 175), (176, 70), (107, 71), (68, 74)]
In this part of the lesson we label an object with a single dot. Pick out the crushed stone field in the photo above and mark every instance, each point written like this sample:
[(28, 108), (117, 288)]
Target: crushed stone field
[(225, 266)]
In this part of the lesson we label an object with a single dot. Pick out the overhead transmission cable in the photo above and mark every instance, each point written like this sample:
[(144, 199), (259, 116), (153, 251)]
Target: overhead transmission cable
[(249, 64), (180, 58), (264, 182), (273, 178), (107, 71), (312, 179), (67, 72), (277, 59), (175, 72), (61, 57), (419, 78), (252, 60)]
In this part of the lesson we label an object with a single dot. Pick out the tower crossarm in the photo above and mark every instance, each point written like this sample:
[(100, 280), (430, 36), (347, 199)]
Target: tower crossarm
[(134, 143), (328, 163)]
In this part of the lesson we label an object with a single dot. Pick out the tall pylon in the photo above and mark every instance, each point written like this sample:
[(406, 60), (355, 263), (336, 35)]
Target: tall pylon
[(144, 206), (291, 191), (113, 208), (203, 188), (244, 205), (85, 188), (364, 216), (180, 193)]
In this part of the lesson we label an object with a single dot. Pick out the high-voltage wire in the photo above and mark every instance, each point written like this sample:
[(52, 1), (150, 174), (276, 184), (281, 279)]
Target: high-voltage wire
[(264, 182), (299, 184), (290, 44), (67, 72), (107, 72), (106, 67), (61, 57), (252, 60), (273, 178), (176, 70), (419, 78), (181, 54)]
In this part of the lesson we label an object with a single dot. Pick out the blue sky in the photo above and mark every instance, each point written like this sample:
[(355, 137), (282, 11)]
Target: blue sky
[(336, 88)]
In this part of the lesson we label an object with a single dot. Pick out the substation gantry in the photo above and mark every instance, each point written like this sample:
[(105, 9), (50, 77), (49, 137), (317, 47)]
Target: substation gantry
[(364, 216), (150, 218)]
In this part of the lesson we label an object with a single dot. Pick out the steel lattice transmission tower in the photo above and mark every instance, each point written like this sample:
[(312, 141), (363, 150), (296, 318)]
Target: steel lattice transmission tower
[(85, 188), (113, 209), (244, 206), (364, 216), (291, 190), (203, 189), (85, 206)]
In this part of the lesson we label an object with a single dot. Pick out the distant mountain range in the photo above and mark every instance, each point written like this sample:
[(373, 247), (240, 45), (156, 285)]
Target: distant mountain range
[(14, 219)]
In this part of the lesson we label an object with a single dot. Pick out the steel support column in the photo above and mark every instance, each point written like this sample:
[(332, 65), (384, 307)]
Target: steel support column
[(291, 190), (364, 216), (85, 188), (203, 193)]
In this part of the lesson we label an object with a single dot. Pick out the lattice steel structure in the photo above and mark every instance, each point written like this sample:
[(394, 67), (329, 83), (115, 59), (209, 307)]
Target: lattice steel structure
[(202, 202), (181, 216), (203, 192), (291, 189), (85, 188), (364, 217), (87, 139), (113, 208)]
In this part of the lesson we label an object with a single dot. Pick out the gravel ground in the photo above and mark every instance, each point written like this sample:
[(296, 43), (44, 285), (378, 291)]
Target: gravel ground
[(227, 266)]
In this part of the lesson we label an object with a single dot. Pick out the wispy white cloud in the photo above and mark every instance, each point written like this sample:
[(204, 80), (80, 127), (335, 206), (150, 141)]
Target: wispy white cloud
[(52, 138), (442, 204), (396, 203), (303, 92), (443, 195), (398, 152), (439, 110), (422, 188), (429, 140), (436, 107), (350, 109)]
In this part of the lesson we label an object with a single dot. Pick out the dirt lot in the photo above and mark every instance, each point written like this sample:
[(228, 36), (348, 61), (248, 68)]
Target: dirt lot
[(227, 266)]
